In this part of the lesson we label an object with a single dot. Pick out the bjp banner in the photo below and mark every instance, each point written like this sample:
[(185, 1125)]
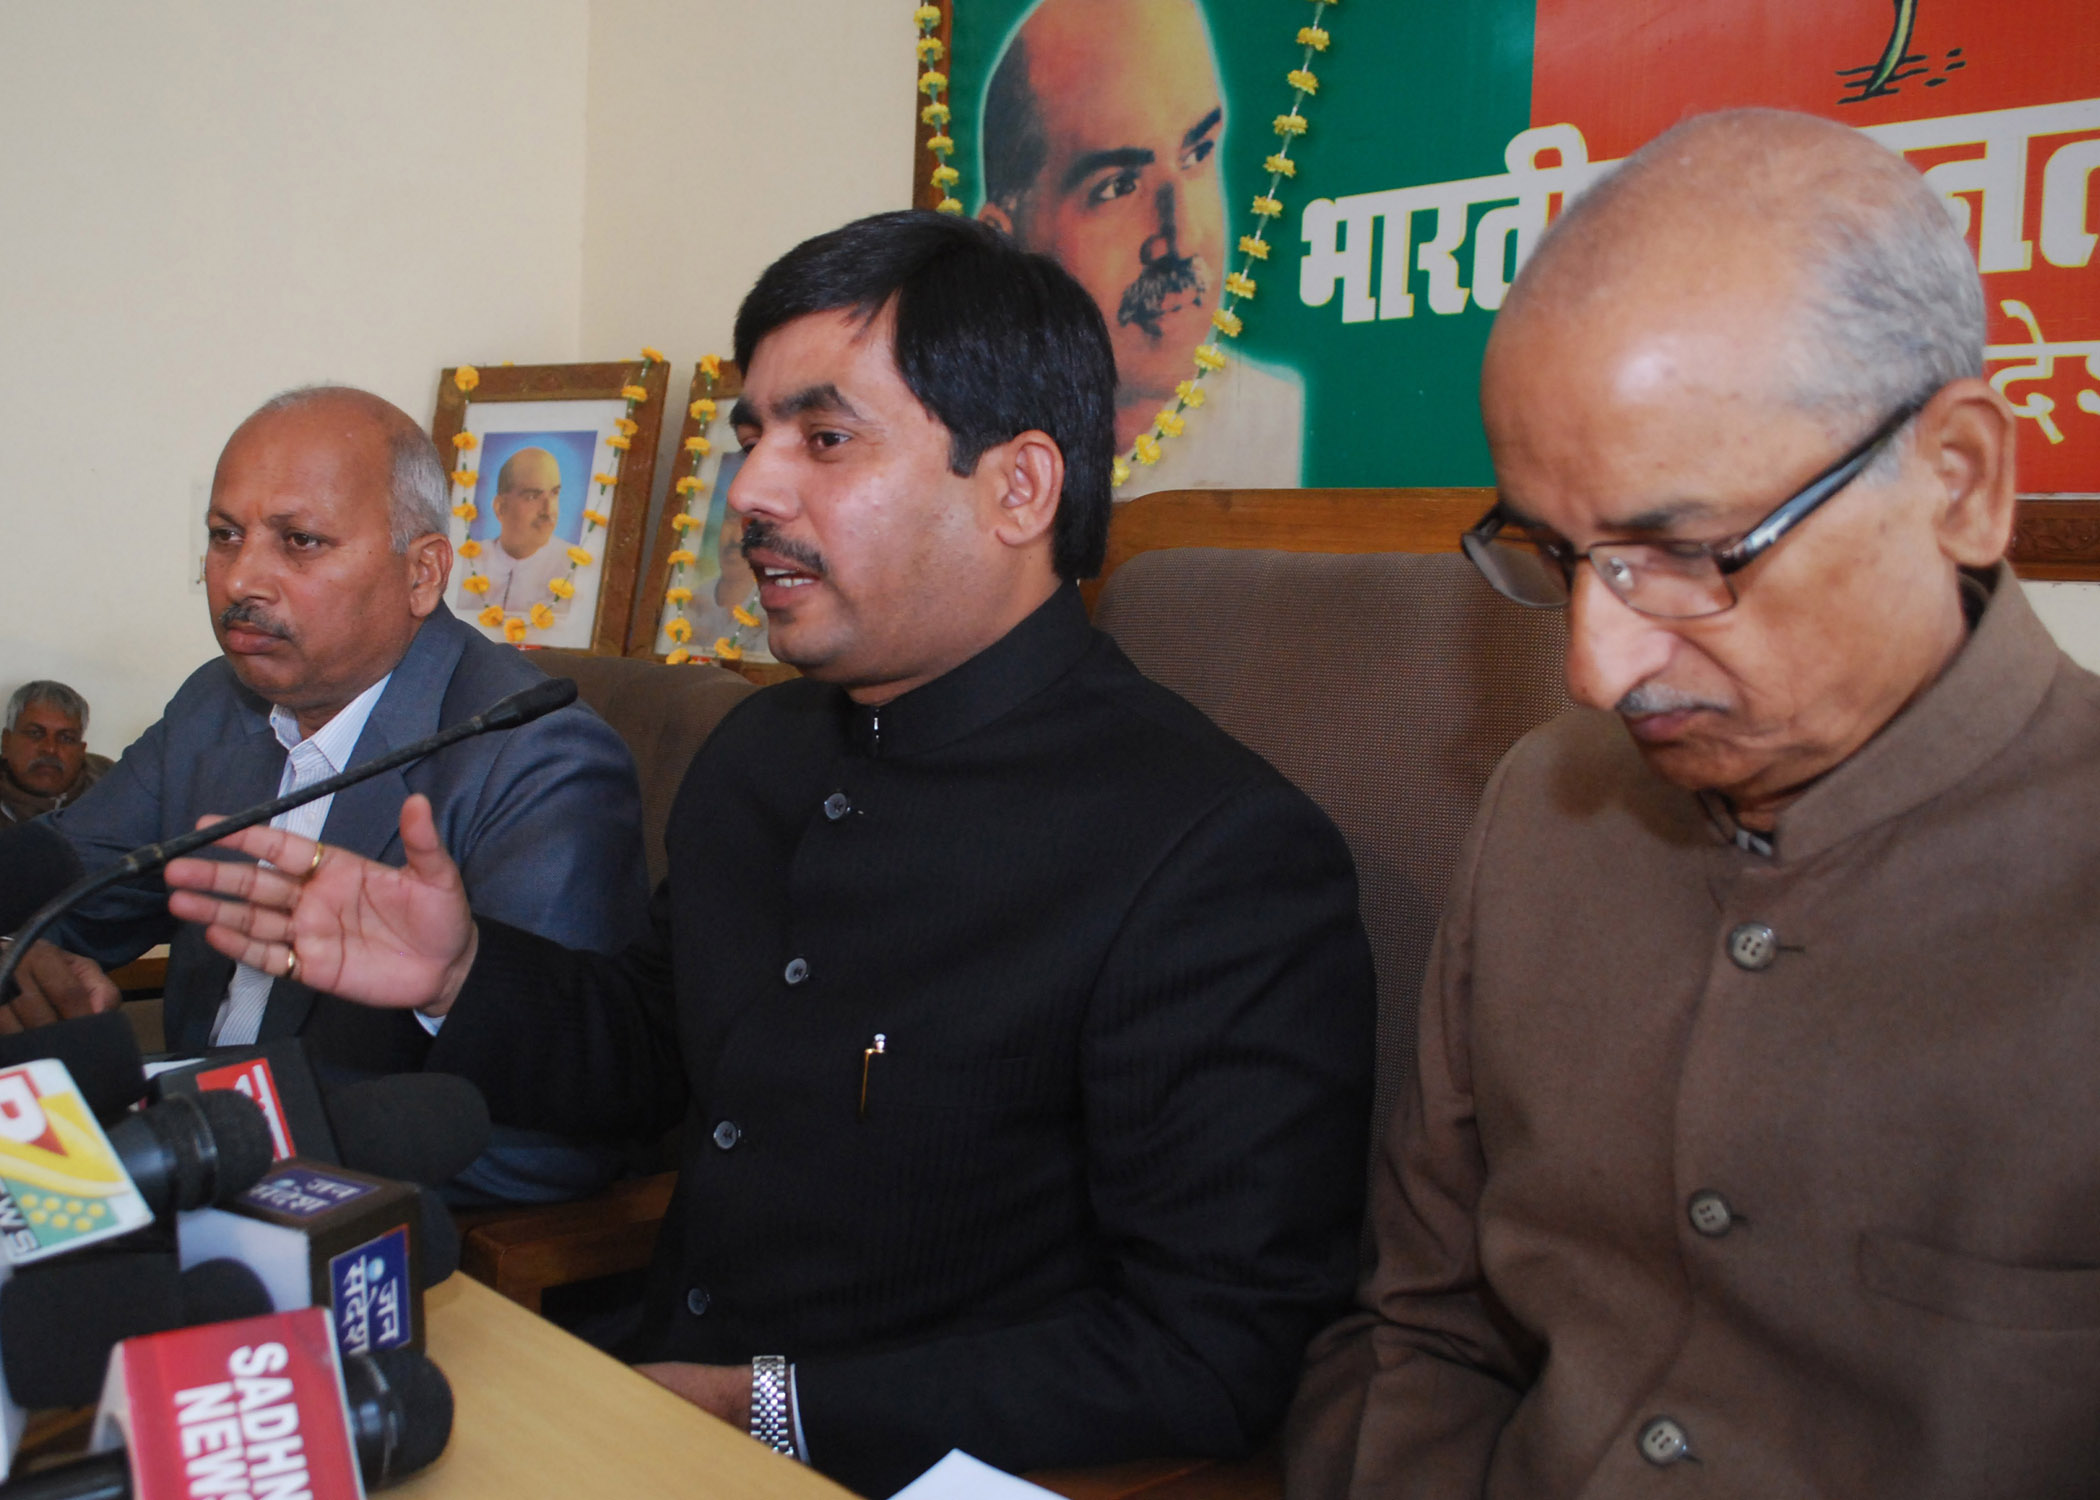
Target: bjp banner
[(1129, 138)]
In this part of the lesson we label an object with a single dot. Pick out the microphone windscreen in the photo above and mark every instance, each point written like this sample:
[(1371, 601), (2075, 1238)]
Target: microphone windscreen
[(440, 1237), (241, 1139), (59, 1320), (219, 1291), (36, 863), (100, 1052), (527, 704), (400, 1413), (414, 1127)]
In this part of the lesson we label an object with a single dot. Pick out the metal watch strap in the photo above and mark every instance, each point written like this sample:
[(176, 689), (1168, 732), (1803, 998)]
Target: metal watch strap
[(769, 1403)]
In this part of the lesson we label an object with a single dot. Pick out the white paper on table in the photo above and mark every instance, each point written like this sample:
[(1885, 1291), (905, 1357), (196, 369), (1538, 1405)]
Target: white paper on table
[(961, 1477)]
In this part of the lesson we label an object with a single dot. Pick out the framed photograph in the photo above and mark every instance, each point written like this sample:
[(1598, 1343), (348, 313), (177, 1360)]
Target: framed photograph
[(552, 468), (707, 597)]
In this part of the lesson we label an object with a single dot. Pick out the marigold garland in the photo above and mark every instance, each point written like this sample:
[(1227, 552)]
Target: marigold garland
[(540, 614), (677, 592), (933, 83), (1240, 285)]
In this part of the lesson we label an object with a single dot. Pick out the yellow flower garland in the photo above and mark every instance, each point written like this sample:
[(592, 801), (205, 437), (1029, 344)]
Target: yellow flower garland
[(1288, 127), (677, 592), (934, 85), (540, 615)]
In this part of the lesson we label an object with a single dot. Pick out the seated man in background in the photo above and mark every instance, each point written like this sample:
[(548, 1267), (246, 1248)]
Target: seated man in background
[(1019, 1018), (326, 569), (44, 759), (1753, 1150)]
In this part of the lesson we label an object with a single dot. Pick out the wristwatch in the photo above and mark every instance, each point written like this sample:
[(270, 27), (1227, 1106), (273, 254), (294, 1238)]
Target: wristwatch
[(769, 1403)]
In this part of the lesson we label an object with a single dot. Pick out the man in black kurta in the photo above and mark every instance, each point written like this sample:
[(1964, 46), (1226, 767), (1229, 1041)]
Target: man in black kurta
[(1019, 1020), (1107, 1168)]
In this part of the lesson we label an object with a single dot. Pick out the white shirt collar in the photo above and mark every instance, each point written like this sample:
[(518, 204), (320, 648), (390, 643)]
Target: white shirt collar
[(336, 739)]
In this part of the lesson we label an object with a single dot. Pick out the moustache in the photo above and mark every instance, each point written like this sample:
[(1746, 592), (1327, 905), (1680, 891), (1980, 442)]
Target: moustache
[(47, 763), (1169, 276), (253, 618), (1652, 698), (763, 533)]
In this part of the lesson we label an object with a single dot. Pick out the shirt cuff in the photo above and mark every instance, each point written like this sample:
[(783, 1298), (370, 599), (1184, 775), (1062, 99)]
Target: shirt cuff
[(795, 1416)]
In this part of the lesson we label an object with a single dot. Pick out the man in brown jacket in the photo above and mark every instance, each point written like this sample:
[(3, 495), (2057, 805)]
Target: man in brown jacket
[(1754, 1149)]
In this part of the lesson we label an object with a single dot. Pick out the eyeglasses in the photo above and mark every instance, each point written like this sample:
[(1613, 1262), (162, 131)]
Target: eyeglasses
[(1668, 580)]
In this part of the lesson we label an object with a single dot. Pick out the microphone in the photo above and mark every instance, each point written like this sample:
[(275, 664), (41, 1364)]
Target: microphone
[(185, 1152), (36, 863), (522, 707), (425, 1128), (100, 1053), (65, 1184), (58, 1322), (263, 1406), (328, 1236), (418, 1127)]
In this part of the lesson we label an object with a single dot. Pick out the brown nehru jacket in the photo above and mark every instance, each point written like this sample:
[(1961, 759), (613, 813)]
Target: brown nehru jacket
[(1782, 1167)]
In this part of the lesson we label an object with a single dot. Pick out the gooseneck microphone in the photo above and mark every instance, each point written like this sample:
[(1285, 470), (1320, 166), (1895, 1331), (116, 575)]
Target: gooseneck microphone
[(537, 701)]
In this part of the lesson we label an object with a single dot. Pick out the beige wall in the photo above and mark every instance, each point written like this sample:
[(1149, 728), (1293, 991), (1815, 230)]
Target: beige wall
[(722, 133), (208, 200), (205, 201)]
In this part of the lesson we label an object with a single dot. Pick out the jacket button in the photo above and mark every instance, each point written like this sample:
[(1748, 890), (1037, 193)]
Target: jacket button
[(836, 806), (727, 1134), (697, 1301), (1662, 1441), (796, 971), (1753, 946), (1710, 1214)]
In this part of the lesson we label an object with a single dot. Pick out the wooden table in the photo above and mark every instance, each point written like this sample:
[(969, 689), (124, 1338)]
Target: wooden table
[(539, 1412)]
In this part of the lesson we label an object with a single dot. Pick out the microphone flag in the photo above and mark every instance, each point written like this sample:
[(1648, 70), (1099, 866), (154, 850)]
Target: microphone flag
[(279, 1077), (61, 1183), (326, 1236), (254, 1407)]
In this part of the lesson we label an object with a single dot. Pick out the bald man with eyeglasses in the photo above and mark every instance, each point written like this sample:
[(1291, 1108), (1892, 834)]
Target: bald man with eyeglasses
[(1753, 1149)]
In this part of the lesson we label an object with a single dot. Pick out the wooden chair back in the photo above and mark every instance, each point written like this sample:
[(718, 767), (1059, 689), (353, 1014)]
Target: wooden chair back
[(1341, 635)]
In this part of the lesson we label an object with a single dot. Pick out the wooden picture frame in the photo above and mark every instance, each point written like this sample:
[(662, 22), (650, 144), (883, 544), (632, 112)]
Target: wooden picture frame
[(649, 639), (510, 405)]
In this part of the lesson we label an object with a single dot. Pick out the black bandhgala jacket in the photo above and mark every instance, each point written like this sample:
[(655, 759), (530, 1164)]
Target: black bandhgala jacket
[(1021, 1028)]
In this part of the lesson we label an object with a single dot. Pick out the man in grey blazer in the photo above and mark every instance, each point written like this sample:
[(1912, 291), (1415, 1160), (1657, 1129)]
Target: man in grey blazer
[(326, 573)]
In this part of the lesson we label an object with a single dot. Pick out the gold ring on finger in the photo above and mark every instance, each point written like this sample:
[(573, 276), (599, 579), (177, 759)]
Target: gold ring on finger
[(291, 963), (319, 851)]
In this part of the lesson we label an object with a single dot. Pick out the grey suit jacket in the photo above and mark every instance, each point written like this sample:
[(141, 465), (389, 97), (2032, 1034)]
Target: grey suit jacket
[(544, 822)]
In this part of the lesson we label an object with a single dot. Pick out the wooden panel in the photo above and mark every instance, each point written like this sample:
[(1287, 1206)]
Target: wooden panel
[(2052, 538), (522, 1252), (2057, 539), (1399, 520), (541, 1413)]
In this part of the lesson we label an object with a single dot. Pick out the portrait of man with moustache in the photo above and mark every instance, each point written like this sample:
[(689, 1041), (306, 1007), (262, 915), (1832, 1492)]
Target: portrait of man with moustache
[(1101, 127)]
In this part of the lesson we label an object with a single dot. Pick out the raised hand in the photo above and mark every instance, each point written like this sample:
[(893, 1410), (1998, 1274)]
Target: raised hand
[(56, 986), (348, 926)]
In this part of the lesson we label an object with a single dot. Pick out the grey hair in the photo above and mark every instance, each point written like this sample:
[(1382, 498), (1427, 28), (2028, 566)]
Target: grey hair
[(1894, 309), (56, 694), (417, 485), (1892, 305)]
